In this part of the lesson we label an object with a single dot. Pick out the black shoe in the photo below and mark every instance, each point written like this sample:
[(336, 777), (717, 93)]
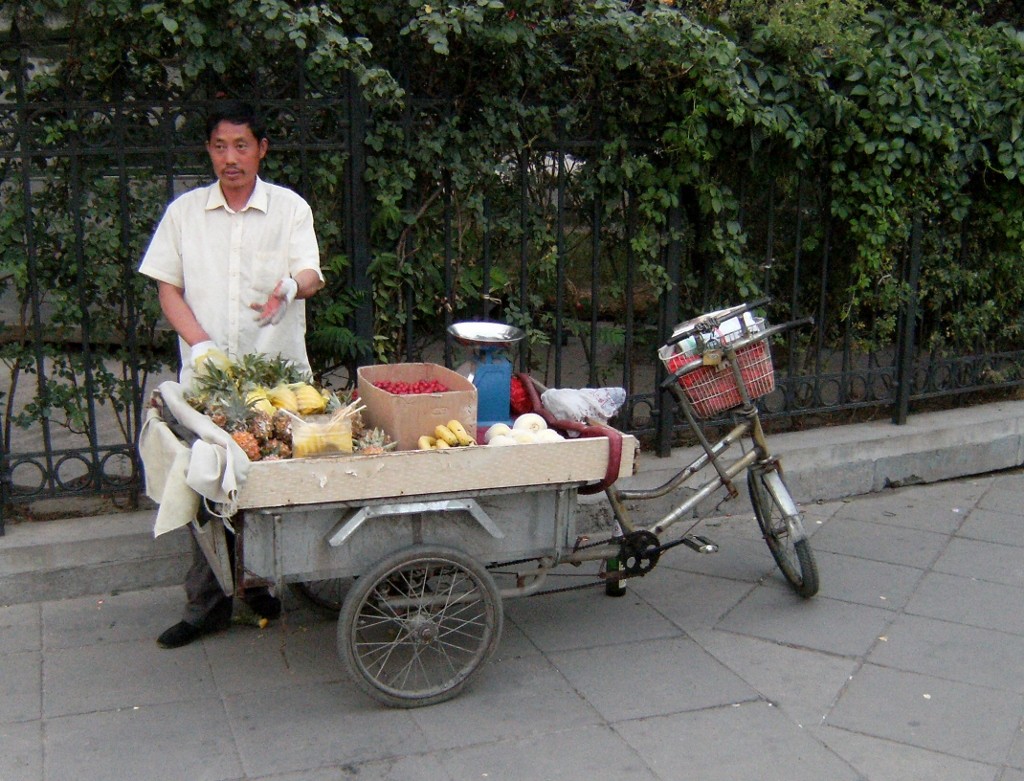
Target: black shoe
[(180, 634), (184, 633), (265, 605)]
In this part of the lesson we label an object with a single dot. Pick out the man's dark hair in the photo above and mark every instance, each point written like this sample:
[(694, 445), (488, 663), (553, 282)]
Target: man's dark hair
[(236, 112)]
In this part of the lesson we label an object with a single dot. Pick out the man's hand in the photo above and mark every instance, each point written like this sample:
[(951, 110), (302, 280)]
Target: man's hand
[(271, 312), (207, 352)]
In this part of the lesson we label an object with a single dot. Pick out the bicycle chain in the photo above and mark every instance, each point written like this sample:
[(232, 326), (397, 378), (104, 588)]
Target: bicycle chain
[(633, 545)]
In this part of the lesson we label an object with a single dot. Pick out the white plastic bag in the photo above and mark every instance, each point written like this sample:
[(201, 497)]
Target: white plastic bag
[(583, 404)]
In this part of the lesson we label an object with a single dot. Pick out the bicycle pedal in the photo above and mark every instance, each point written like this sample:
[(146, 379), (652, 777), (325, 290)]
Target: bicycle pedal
[(700, 544)]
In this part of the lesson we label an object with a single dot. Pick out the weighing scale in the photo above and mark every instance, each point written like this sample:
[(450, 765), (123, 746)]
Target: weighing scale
[(488, 367)]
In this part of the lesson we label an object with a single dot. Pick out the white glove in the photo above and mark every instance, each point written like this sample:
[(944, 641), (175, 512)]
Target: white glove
[(202, 352), (271, 312)]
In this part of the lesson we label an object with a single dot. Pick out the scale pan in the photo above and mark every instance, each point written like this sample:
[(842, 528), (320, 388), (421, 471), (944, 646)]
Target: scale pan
[(485, 333)]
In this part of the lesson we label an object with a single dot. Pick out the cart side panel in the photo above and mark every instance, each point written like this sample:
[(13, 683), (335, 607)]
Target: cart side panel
[(305, 481), (293, 545)]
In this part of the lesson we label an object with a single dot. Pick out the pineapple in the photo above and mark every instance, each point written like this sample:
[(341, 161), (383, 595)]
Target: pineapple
[(308, 399), (282, 425), (236, 416), (218, 416), (261, 425), (260, 369), (214, 382), (246, 398), (248, 443), (275, 449), (373, 442), (283, 397), (257, 397)]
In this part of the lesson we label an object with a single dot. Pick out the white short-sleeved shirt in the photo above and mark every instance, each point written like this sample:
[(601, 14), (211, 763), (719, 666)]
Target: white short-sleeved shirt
[(226, 260)]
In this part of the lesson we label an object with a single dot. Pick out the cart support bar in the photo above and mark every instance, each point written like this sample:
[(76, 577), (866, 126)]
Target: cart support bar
[(340, 534)]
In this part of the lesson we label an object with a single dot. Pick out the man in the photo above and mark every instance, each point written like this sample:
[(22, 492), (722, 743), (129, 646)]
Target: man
[(233, 262)]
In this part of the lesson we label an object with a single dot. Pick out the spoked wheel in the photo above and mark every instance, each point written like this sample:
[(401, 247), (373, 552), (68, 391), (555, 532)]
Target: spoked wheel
[(325, 595), (795, 559), (416, 628)]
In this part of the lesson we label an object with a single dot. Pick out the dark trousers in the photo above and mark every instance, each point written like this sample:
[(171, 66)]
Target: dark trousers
[(205, 599)]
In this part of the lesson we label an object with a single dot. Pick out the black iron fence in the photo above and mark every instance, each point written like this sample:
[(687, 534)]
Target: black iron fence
[(82, 185)]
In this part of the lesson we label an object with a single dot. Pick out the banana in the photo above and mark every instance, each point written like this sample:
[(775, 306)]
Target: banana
[(460, 432), (426, 442), (445, 434), (441, 444)]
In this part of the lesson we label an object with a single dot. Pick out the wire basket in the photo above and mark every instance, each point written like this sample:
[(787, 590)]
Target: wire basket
[(712, 388)]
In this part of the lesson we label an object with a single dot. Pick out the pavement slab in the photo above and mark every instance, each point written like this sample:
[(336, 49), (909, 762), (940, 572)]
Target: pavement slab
[(993, 526), (879, 758), (965, 720), (972, 655), (969, 601), (20, 628), (876, 541), (287, 729), (803, 684), (189, 739), (865, 582), (750, 740), (670, 675), (821, 624), (580, 754), (22, 756), (512, 699)]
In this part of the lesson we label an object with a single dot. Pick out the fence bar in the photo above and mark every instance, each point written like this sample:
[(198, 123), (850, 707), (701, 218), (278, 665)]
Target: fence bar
[(358, 219), (670, 315), (906, 335)]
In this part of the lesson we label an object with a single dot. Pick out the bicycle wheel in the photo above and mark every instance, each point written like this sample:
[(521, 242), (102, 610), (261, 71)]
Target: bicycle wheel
[(419, 625), (795, 559), (325, 595)]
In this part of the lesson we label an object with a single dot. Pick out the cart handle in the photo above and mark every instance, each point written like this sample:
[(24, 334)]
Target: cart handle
[(611, 473)]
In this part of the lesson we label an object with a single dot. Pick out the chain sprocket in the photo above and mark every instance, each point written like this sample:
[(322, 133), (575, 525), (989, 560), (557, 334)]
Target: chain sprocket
[(639, 552)]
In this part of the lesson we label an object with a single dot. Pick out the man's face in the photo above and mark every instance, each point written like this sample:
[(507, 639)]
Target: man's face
[(235, 153)]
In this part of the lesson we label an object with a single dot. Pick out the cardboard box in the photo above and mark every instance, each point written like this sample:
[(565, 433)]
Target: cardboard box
[(406, 417)]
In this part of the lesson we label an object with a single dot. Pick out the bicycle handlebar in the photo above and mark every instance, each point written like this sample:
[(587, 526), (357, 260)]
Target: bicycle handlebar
[(713, 320)]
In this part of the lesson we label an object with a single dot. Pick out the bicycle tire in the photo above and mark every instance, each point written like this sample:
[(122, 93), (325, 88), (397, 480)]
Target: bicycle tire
[(419, 626), (794, 559)]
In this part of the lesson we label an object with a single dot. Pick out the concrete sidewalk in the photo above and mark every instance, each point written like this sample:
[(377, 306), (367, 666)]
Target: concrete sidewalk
[(908, 665)]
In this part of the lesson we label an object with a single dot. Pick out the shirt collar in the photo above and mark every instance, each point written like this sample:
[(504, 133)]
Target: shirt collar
[(258, 199)]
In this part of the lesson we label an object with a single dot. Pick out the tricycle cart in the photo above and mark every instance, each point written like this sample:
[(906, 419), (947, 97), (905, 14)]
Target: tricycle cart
[(418, 534)]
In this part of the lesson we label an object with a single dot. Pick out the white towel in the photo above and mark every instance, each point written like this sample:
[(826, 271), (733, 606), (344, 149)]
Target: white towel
[(215, 467), (165, 461)]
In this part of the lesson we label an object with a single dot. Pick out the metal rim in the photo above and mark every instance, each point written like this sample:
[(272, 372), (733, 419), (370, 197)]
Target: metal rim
[(414, 630)]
